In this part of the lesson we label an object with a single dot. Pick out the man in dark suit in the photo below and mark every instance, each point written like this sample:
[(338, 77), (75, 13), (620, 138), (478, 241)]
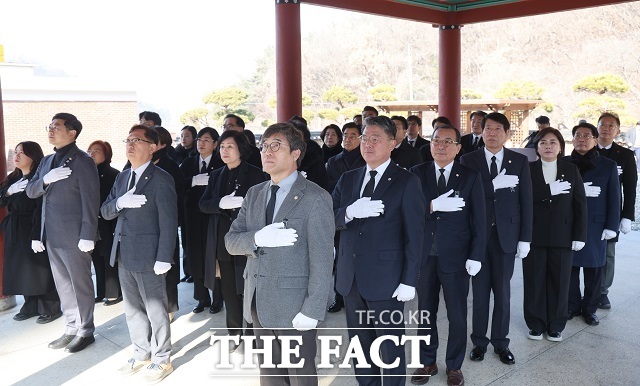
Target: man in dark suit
[(414, 134), (69, 184), (608, 129), (455, 241), (143, 199), (473, 140), (286, 231), (404, 155), (506, 180), (379, 210)]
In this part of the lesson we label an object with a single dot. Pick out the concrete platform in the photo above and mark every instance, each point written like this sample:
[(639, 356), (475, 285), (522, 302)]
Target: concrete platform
[(607, 354)]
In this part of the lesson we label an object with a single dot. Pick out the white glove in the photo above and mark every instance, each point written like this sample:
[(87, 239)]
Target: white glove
[(608, 234), (577, 245), (444, 203), (364, 207), (161, 267), (275, 235), (404, 293), (523, 249), (559, 187), (200, 180), (17, 187), (37, 246), (473, 267), (130, 200), (504, 180), (231, 201), (304, 174), (591, 191), (302, 322), (625, 225), (86, 245), (619, 169), (56, 174)]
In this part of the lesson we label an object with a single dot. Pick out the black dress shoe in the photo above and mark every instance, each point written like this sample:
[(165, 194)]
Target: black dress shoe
[(477, 354), (421, 376), (114, 301), (200, 307), (189, 279), (79, 343), (604, 303), (591, 320), (61, 342), (214, 309), (574, 313), (506, 356), (20, 316), (335, 307), (185, 278), (44, 319), (99, 299)]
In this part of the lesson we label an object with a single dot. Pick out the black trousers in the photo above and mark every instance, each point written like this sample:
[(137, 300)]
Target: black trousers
[(592, 286), (232, 300), (185, 256), (173, 279), (547, 273), (45, 304), (107, 281)]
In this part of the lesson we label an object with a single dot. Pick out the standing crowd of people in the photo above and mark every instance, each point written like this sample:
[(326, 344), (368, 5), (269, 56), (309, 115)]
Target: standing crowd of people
[(378, 212)]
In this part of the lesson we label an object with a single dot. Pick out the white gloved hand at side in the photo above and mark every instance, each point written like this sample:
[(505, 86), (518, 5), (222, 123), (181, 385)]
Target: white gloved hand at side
[(608, 234), (302, 322), (577, 245), (130, 200), (161, 267), (56, 174), (37, 246), (559, 187), (365, 207), (231, 201), (200, 180), (619, 169), (404, 293), (591, 191), (523, 249), (86, 245), (275, 235), (504, 180), (625, 225), (473, 267), (17, 187), (444, 203)]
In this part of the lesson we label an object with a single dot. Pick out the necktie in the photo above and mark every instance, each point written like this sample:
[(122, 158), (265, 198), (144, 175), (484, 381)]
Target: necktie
[(475, 142), (412, 142), (493, 170), (368, 188), (442, 183), (132, 183), (271, 206), (204, 167)]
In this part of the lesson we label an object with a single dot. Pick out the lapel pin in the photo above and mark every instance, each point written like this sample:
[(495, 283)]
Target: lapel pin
[(146, 178), (457, 175), (389, 179), (509, 161), (295, 197)]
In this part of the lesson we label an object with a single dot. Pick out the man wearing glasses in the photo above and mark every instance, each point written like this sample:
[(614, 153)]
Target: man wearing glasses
[(286, 232), (143, 199), (454, 237), (380, 212), (235, 123), (69, 184)]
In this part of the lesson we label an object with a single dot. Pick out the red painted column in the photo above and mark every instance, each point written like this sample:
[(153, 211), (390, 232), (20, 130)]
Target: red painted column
[(288, 59), (449, 69), (3, 173)]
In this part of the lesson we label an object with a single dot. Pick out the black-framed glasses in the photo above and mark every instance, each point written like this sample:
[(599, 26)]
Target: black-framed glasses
[(443, 142), (135, 140), (273, 146)]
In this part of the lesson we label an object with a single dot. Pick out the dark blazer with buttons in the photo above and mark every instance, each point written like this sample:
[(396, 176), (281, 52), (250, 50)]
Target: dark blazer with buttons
[(460, 235), (380, 252), (406, 155), (146, 234), (467, 143), (337, 166), (558, 220), (511, 208)]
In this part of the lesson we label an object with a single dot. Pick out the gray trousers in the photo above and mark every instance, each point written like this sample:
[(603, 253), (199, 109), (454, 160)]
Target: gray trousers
[(609, 268), (145, 306), (71, 270)]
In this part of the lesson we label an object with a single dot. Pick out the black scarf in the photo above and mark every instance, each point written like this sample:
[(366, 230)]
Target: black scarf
[(351, 156), (584, 161), (159, 154), (328, 152)]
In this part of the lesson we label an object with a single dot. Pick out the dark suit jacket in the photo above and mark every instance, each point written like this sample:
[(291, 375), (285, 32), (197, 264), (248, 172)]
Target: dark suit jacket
[(628, 179), (406, 156), (425, 153), (558, 220), (337, 166), (146, 234), (512, 209), (467, 143), (419, 142), (459, 235), (380, 252)]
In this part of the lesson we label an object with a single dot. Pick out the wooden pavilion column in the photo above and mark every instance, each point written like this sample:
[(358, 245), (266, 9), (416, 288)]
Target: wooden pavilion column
[(6, 302), (449, 62), (288, 59)]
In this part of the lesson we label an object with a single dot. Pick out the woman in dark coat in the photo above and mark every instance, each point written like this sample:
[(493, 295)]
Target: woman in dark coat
[(602, 188), (187, 147), (222, 199), (196, 171), (332, 142), (107, 281), (25, 272), (559, 228)]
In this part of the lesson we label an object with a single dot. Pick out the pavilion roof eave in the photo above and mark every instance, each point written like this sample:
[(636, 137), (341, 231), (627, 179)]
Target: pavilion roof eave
[(465, 105)]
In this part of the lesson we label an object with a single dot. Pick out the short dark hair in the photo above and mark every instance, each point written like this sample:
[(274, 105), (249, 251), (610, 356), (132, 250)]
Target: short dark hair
[(449, 127), (543, 133), (70, 122), (299, 119), (334, 128), (291, 134), (164, 137), (370, 108), (239, 121), (351, 125), (301, 126), (149, 133), (384, 123), (440, 119), (357, 116), (415, 118), (610, 115), (191, 130), (543, 120), (250, 136), (150, 116), (497, 117), (209, 130), (241, 142), (405, 124), (479, 112), (594, 130), (106, 149)]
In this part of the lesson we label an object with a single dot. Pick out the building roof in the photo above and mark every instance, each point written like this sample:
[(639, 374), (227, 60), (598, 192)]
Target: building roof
[(465, 105)]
